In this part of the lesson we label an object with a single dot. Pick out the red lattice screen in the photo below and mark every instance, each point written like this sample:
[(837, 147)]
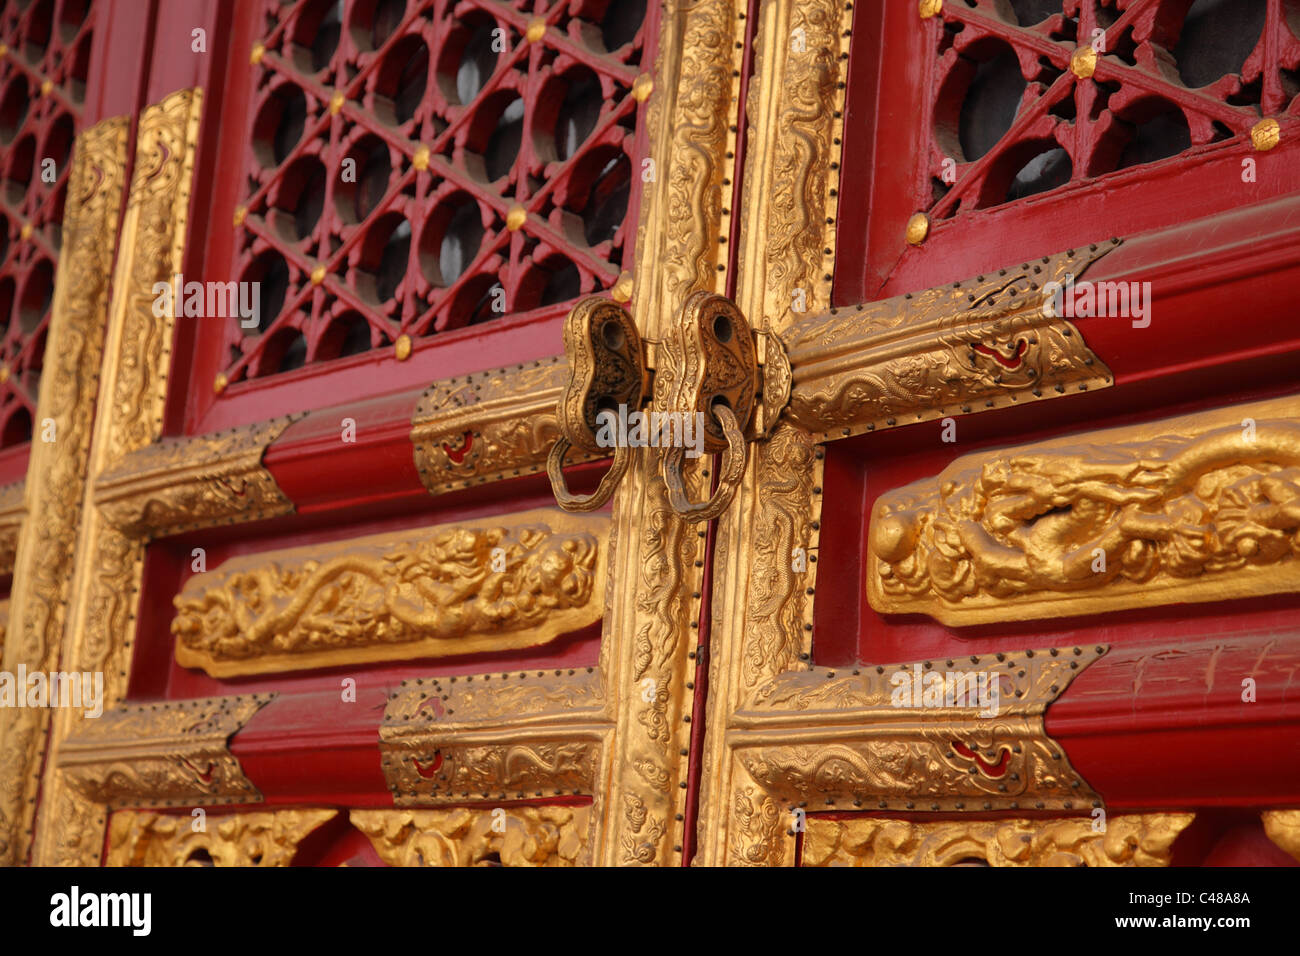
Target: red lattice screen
[(414, 168), (44, 58), (1024, 127), (1168, 77)]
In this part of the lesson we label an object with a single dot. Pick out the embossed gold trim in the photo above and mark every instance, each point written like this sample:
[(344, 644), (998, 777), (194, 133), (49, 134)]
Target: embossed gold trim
[(160, 754), (181, 484), (509, 836), (1198, 508), (488, 426), (825, 737), (56, 471), (1145, 839), (259, 838), (137, 358), (510, 582), (966, 347), (494, 736), (648, 650)]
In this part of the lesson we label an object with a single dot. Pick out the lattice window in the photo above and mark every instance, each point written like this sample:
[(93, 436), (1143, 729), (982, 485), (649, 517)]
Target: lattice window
[(1018, 108), (44, 57), (417, 167)]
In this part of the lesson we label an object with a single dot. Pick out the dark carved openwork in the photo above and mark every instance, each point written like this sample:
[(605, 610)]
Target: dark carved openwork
[(1032, 95), (417, 167), (44, 56)]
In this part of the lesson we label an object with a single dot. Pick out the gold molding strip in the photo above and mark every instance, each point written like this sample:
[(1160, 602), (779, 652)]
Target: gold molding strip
[(13, 508), (648, 651), (826, 737), (1283, 828), (488, 426), (506, 836), (257, 838), (494, 736), (967, 347), (765, 557), (183, 484), (133, 381), (56, 470), (1145, 839), (1204, 507), (169, 753), (504, 583)]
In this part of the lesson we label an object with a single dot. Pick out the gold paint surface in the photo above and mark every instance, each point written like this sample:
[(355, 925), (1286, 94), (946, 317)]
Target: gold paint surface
[(1266, 134), (1204, 507), (918, 227), (511, 582), (1083, 62)]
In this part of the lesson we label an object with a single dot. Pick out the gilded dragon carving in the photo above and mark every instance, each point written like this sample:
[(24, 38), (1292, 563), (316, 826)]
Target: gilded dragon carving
[(453, 589), (1199, 508)]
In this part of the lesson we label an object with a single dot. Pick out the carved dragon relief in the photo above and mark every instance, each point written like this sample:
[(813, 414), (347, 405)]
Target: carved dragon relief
[(1199, 508), (519, 581)]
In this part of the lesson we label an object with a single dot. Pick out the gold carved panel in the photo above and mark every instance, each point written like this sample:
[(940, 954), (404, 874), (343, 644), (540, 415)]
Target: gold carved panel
[(260, 838), (1145, 839), (510, 582), (1204, 507), (513, 836)]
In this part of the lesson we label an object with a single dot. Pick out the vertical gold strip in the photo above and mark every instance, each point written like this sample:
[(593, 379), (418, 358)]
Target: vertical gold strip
[(657, 560), (137, 357), (56, 470), (763, 591)]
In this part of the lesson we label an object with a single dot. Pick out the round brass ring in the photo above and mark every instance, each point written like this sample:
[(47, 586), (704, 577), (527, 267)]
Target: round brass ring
[(604, 491), (733, 467)]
